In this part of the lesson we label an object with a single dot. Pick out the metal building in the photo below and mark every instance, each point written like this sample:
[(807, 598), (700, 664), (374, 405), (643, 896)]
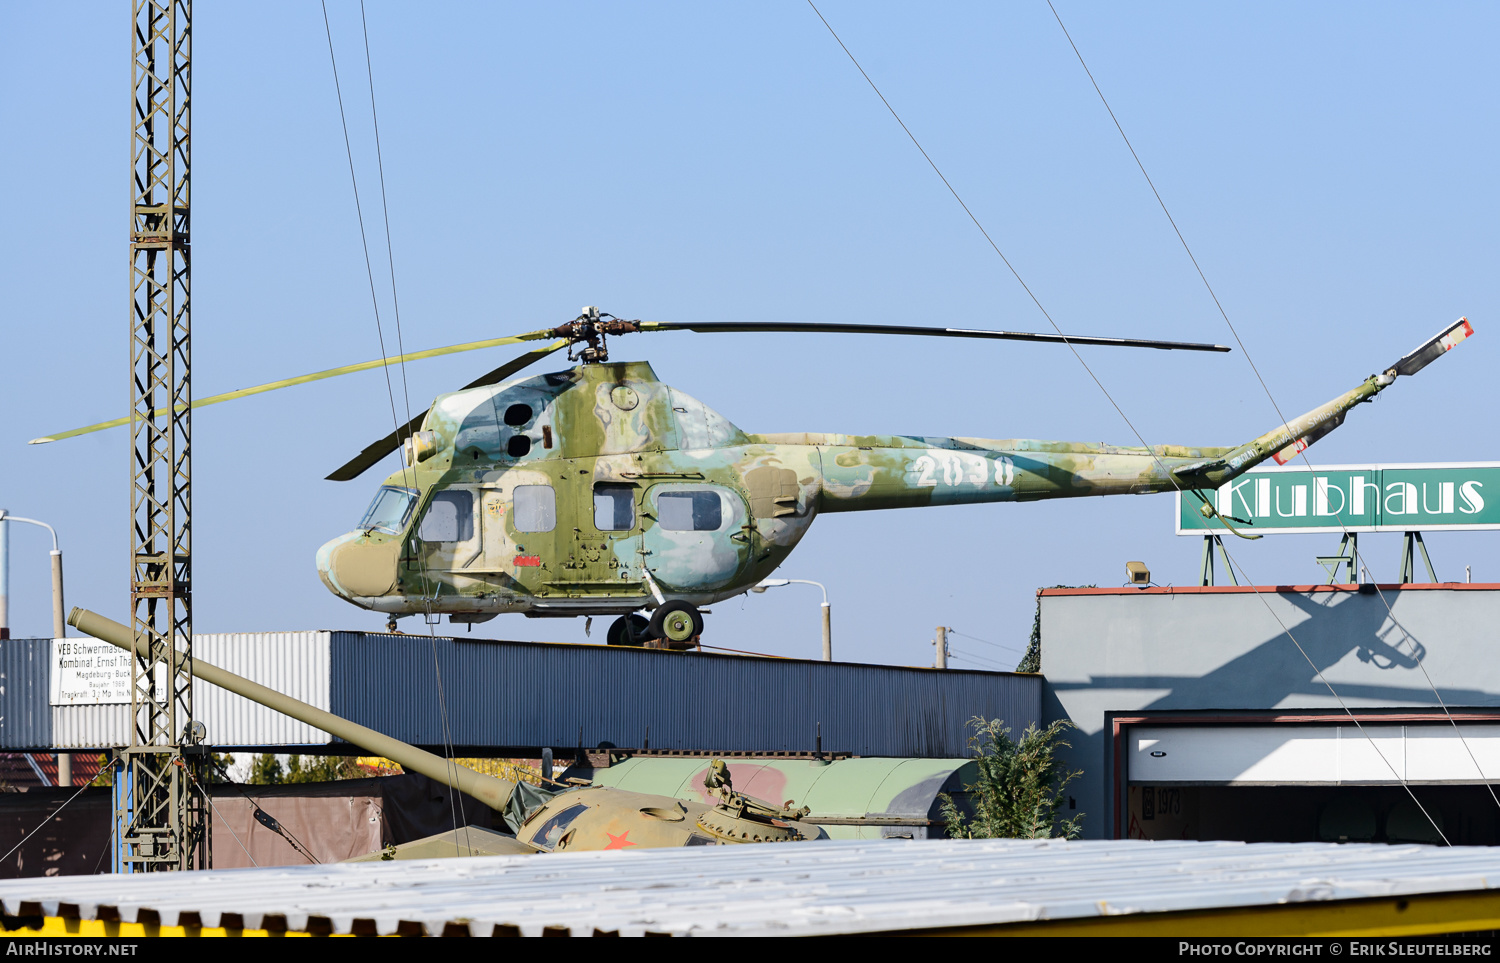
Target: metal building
[(514, 698), (1280, 713)]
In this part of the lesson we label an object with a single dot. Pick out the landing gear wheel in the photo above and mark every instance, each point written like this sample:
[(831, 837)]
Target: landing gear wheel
[(628, 630), (676, 623)]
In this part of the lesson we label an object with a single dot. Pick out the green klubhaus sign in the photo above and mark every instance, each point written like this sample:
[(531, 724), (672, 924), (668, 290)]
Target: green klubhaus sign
[(1355, 498)]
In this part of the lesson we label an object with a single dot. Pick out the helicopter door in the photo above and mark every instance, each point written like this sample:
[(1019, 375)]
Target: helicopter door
[(447, 538), (692, 545), (603, 550)]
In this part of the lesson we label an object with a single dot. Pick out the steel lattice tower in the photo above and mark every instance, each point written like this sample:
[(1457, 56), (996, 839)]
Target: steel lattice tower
[(163, 821)]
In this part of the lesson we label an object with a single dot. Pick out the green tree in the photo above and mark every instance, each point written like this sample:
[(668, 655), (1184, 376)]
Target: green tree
[(321, 769), (265, 770), (1020, 785)]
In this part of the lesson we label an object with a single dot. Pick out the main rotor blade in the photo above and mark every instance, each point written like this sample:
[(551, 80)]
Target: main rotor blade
[(732, 327), (360, 463), (304, 379)]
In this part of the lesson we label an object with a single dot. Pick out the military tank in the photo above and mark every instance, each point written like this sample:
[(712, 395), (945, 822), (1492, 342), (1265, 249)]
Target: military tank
[(548, 819)]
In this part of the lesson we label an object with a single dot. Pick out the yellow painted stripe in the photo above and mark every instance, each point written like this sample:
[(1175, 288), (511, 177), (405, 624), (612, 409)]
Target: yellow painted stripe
[(1403, 916), (304, 379), (56, 927)]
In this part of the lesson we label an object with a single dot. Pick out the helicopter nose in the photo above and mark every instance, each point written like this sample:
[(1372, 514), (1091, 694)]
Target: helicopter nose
[(356, 566), (325, 564)]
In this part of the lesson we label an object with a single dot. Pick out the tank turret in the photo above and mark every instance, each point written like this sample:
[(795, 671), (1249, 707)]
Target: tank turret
[(565, 818)]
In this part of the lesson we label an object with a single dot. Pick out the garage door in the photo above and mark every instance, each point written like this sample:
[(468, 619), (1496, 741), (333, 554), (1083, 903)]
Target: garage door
[(1326, 755)]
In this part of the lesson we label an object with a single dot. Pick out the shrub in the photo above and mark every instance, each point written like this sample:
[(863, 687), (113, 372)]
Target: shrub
[(1020, 785)]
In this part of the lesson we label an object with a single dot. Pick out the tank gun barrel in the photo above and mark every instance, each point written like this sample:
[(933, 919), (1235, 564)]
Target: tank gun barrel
[(490, 790)]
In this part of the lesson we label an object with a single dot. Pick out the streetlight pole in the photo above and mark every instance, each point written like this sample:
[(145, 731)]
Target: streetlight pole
[(4, 577), (827, 609), (59, 618)]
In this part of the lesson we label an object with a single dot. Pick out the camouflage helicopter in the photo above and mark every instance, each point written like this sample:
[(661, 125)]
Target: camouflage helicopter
[(599, 490)]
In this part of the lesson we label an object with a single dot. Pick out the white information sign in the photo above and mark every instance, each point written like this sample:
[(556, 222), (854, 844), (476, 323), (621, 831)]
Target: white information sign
[(86, 672)]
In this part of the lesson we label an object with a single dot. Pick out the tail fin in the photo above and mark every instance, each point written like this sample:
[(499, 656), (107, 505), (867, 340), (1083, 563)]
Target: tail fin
[(1285, 442)]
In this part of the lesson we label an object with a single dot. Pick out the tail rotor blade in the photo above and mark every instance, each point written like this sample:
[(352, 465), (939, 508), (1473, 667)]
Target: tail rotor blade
[(1445, 341)]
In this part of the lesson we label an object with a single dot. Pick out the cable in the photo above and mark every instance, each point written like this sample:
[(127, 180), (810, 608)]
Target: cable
[(54, 812), (1264, 387), (967, 657), (220, 817), (998, 645), (763, 655), (359, 212), (375, 304), (1154, 456), (995, 247), (386, 211), (274, 825), (427, 584)]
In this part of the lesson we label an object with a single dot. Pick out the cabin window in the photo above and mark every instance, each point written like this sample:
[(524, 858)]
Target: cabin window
[(518, 446), (535, 508), (517, 415), (389, 511), (690, 511), (614, 508), (449, 518)]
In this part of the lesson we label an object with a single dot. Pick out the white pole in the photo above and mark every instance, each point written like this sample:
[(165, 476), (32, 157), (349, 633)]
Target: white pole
[(4, 576), (60, 630), (942, 647), (827, 632)]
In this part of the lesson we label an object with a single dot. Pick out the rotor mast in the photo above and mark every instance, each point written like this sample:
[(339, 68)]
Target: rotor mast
[(162, 813)]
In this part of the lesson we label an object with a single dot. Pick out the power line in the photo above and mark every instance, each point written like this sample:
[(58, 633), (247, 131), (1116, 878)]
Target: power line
[(456, 809), (1264, 387), (1154, 456)]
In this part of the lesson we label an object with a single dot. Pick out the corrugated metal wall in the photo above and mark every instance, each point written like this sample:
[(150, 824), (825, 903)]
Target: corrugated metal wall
[(528, 694), (292, 662), (533, 694), (25, 722)]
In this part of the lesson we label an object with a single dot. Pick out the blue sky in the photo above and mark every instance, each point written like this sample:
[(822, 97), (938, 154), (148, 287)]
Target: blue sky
[(1332, 166)]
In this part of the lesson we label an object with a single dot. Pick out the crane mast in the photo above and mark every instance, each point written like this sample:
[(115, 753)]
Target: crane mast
[(162, 818)]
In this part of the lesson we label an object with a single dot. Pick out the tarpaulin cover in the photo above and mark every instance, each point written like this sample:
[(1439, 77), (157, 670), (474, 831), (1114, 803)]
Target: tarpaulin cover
[(333, 821)]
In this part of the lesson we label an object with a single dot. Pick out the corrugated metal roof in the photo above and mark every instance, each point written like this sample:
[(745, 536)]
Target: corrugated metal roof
[(803, 889)]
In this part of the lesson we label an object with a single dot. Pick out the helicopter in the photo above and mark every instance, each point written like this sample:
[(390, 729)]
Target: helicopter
[(600, 490)]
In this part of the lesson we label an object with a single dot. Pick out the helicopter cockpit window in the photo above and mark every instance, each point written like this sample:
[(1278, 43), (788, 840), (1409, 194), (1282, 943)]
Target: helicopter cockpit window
[(389, 511), (690, 511), (614, 508), (536, 508), (449, 518)]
